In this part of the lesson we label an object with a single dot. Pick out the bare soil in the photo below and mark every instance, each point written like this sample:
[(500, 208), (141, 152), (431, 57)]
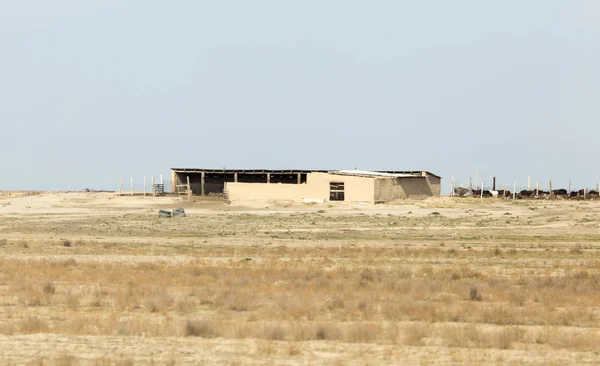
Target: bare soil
[(94, 278)]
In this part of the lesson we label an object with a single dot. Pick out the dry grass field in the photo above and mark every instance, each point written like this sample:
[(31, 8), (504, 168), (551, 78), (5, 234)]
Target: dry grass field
[(96, 279)]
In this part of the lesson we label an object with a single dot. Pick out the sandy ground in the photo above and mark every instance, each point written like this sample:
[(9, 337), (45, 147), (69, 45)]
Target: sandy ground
[(550, 238)]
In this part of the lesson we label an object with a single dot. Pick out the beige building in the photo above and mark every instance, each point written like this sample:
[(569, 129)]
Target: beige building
[(310, 185)]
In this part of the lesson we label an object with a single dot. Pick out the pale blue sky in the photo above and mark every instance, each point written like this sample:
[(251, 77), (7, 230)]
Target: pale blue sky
[(91, 90)]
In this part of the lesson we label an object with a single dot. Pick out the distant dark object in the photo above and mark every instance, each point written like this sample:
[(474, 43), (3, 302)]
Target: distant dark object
[(164, 213), (486, 193), (179, 212), (560, 192)]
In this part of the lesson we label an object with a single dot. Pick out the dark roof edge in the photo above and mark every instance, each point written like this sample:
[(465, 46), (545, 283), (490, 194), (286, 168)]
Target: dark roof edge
[(231, 171)]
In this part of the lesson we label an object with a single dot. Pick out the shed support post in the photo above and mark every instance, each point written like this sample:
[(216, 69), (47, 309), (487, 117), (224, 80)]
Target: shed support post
[(299, 178), (189, 190), (202, 184), (268, 177), (174, 181), (235, 177)]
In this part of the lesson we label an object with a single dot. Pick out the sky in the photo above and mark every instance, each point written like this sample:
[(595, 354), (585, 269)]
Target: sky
[(94, 90)]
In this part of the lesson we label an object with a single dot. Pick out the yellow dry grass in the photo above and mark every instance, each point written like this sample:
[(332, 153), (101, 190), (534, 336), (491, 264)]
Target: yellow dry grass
[(453, 282)]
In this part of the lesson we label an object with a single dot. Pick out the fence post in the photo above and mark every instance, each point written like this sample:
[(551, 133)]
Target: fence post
[(551, 193), (153, 192), (482, 185), (514, 190), (132, 186)]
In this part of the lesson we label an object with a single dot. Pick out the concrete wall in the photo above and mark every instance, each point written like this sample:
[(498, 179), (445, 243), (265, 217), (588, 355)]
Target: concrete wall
[(417, 187), (356, 189), (388, 189), (436, 185), (266, 191)]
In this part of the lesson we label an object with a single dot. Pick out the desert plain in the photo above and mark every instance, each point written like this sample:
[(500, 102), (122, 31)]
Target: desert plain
[(99, 279)]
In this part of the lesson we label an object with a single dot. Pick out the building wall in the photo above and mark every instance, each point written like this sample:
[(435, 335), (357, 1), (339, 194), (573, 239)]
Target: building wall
[(356, 189), (266, 191), (417, 187), (388, 189), (436, 185)]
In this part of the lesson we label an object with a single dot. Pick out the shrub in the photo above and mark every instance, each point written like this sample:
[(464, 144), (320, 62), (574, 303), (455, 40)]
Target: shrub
[(49, 288), (475, 294), (200, 328)]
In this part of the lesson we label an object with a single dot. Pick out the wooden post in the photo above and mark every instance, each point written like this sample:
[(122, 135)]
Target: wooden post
[(189, 189), (528, 183), (202, 184), (299, 178), (514, 190), (268, 177), (452, 188), (569, 191), (235, 177), (120, 185), (504, 193), (494, 185), (482, 185), (585, 193), (153, 191), (132, 186), (144, 186), (537, 189), (551, 194), (174, 181)]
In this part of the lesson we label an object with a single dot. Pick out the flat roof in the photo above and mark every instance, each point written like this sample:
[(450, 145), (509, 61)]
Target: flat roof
[(372, 174), (389, 173)]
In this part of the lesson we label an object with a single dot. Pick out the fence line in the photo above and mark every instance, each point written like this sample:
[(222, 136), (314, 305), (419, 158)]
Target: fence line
[(141, 186), (521, 192)]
